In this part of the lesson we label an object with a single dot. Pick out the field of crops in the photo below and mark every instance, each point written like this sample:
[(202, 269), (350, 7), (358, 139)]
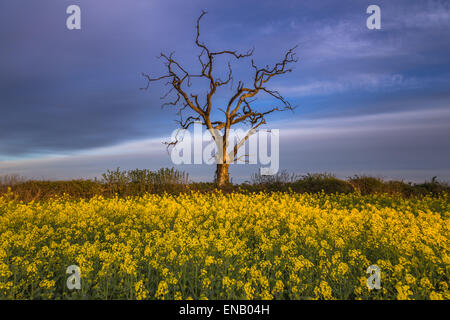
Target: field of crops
[(234, 246)]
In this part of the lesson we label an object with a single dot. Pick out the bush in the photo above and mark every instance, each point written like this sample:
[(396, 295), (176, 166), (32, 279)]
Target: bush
[(281, 177), (370, 185), (434, 186), (114, 182), (138, 182), (43, 190), (322, 182), (11, 180)]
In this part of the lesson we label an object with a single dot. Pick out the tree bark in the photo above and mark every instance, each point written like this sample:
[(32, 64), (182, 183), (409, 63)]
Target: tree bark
[(222, 176)]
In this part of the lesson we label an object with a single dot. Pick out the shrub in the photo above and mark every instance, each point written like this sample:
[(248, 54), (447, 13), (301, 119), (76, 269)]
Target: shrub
[(367, 185), (434, 186), (281, 177), (43, 190), (138, 182), (11, 180), (322, 182)]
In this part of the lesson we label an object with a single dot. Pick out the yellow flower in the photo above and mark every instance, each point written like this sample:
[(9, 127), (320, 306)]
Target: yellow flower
[(436, 296), (403, 292), (178, 296), (140, 291), (410, 279), (278, 288), (343, 268), (425, 283), (47, 284), (206, 284), (226, 246), (249, 291), (162, 291)]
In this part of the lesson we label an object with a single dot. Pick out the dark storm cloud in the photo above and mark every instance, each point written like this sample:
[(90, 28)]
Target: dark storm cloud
[(69, 90)]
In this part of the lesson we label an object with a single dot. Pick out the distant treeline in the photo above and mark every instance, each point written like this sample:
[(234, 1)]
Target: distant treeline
[(138, 182)]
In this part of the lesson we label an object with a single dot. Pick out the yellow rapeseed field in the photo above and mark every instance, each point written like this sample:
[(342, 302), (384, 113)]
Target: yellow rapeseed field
[(234, 246)]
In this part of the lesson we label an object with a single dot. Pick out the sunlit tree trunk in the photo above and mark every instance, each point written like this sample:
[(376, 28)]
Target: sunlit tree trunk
[(222, 176)]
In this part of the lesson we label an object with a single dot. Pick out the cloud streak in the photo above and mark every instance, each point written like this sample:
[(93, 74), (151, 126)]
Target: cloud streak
[(376, 143)]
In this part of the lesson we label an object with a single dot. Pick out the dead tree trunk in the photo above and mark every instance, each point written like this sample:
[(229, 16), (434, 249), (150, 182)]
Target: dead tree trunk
[(222, 176)]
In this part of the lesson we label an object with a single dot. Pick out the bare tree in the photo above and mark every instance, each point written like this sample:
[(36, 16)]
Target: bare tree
[(240, 108)]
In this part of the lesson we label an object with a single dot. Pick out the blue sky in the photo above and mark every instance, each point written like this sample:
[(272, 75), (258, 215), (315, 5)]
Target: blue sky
[(369, 101)]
